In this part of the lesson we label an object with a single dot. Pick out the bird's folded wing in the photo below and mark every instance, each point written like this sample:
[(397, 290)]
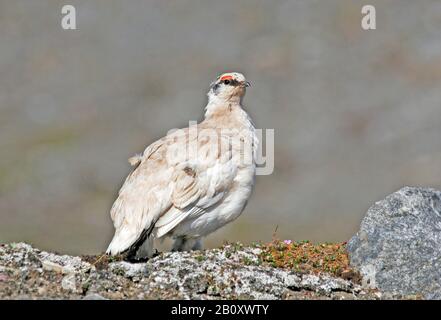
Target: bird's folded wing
[(173, 217), (143, 197), (163, 192), (198, 185)]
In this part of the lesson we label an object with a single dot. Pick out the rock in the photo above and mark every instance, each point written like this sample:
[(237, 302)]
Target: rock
[(52, 266), (41, 291), (398, 246), (69, 283), (223, 273), (343, 296), (129, 270), (230, 272), (94, 296), (63, 263)]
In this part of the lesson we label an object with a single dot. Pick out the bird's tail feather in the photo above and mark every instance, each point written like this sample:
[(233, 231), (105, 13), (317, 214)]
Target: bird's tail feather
[(125, 241)]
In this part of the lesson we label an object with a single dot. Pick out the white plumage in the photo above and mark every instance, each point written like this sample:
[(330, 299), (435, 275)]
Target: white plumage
[(191, 182)]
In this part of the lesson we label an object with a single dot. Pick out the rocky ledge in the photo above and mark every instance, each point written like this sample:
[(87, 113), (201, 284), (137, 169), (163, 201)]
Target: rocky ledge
[(231, 272), (396, 254)]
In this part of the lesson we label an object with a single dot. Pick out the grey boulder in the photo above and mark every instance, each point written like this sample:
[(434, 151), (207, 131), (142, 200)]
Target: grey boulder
[(398, 246)]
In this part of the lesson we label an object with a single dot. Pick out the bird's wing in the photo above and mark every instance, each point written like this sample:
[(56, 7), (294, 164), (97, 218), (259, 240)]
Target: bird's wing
[(168, 185), (144, 195), (201, 182)]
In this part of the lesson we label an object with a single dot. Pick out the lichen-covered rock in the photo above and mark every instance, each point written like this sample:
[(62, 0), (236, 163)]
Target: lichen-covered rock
[(223, 273), (230, 272), (398, 246)]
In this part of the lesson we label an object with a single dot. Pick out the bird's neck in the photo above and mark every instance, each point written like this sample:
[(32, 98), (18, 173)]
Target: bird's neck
[(219, 106), (227, 115)]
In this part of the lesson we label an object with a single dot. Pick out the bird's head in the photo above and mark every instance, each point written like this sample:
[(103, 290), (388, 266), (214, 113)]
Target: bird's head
[(228, 87)]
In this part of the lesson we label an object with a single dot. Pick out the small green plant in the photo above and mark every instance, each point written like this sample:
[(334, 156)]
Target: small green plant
[(247, 261), (200, 258)]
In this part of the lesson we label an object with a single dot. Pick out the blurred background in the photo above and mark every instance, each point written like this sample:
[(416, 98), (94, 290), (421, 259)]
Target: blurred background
[(356, 114)]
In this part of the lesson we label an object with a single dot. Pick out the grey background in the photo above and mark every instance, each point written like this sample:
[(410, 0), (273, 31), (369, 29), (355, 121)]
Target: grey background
[(356, 113)]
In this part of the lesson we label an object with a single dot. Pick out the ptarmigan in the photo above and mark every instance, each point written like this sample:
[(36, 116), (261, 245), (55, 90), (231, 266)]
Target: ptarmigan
[(191, 182)]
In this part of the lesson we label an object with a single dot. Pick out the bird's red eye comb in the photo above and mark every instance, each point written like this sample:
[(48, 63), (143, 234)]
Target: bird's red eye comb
[(227, 77)]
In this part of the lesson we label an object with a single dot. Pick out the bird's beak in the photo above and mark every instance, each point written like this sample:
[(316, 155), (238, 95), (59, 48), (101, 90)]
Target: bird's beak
[(247, 84)]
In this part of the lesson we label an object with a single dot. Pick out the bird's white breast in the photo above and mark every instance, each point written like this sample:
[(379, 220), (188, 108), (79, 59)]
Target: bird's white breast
[(235, 200)]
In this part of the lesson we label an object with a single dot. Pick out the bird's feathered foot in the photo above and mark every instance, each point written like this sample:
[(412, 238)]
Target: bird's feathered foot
[(133, 258)]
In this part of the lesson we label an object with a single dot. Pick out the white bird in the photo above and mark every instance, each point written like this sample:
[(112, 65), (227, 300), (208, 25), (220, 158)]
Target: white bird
[(192, 181)]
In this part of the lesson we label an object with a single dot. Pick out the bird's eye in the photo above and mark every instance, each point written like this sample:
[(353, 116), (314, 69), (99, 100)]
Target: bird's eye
[(226, 81)]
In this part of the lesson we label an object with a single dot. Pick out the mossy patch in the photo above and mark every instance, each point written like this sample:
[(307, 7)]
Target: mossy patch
[(305, 257)]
